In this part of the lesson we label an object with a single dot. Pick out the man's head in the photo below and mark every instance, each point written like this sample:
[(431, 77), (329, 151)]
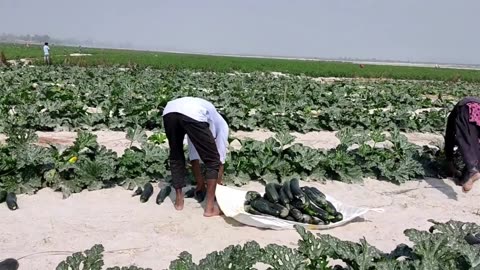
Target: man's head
[(46, 43)]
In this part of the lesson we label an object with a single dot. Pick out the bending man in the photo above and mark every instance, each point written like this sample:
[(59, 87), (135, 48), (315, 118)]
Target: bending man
[(193, 117), (463, 129), (219, 129)]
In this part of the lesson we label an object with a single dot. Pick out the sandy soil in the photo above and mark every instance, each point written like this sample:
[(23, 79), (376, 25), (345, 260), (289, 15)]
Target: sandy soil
[(149, 235)]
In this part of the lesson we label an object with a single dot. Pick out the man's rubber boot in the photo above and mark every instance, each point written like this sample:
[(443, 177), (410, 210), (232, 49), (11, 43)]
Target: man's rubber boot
[(9, 264)]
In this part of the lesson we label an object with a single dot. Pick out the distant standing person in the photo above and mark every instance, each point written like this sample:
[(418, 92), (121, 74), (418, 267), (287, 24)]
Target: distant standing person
[(46, 53), (193, 117)]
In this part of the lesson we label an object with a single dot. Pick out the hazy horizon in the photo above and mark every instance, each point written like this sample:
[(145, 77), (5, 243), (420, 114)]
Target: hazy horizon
[(417, 31)]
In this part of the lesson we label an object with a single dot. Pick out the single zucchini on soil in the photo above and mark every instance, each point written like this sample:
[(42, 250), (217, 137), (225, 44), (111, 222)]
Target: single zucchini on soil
[(190, 193), (164, 193), (147, 192), (3, 196), (137, 192), (12, 201)]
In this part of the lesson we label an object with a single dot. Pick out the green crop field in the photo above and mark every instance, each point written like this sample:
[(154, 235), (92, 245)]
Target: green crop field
[(160, 60)]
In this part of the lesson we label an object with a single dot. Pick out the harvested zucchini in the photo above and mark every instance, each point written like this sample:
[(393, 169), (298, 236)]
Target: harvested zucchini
[(330, 208), (251, 210), (307, 219), (200, 195), (147, 192), (269, 208), (290, 218), (9, 264), (252, 195), (137, 192), (271, 193), (296, 214), (317, 221), (286, 189), (3, 196), (12, 201), (190, 193), (317, 192), (296, 191), (315, 211), (473, 239), (283, 197), (314, 197), (301, 205), (163, 194), (312, 210), (337, 217)]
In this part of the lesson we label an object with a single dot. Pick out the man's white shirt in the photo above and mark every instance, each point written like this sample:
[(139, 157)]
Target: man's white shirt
[(202, 111)]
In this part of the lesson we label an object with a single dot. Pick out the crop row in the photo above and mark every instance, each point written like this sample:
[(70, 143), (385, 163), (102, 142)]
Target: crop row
[(26, 167), (445, 246), (52, 98)]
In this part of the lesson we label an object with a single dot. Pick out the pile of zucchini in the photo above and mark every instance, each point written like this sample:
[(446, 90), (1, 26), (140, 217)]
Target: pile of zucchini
[(292, 202)]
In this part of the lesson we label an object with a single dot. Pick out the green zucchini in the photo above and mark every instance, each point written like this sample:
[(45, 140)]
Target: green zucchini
[(330, 208), (251, 210), (290, 218), (307, 219), (266, 207), (137, 192), (296, 214), (252, 195), (271, 193), (316, 211), (295, 188), (147, 192), (9, 264), (3, 196), (190, 193), (337, 217), (314, 197), (283, 210), (283, 197), (200, 195), (317, 221), (286, 189), (12, 201), (163, 194), (311, 209), (317, 192)]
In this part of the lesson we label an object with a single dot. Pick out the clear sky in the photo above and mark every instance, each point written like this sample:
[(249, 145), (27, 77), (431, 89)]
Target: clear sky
[(408, 30)]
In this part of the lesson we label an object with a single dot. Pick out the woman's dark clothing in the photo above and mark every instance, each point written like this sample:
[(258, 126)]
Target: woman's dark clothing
[(463, 130)]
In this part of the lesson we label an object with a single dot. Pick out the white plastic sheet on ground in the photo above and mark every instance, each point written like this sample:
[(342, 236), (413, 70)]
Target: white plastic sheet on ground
[(231, 202)]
